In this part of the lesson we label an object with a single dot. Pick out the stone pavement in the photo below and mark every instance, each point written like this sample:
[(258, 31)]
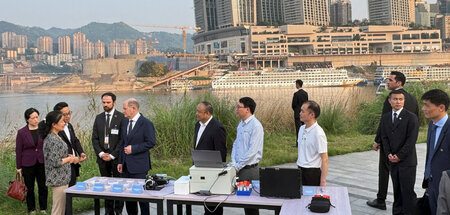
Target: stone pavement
[(358, 172)]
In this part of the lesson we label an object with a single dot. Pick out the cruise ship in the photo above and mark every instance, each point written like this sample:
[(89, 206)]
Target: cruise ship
[(414, 73), (317, 77)]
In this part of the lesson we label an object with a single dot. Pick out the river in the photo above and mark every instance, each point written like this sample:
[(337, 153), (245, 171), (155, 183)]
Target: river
[(13, 105)]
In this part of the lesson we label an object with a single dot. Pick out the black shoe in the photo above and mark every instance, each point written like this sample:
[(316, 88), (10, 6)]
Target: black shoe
[(295, 146), (376, 203)]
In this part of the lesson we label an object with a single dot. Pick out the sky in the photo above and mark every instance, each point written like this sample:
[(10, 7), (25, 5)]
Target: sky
[(77, 13)]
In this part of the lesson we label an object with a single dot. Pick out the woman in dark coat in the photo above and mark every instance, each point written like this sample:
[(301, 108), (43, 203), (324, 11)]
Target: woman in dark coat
[(30, 160)]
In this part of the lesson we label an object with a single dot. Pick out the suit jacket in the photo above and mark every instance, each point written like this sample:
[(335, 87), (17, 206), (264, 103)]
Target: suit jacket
[(142, 139), (98, 135), (26, 152), (214, 137), (410, 104), (400, 138), (440, 160), (443, 202), (299, 98), (74, 144)]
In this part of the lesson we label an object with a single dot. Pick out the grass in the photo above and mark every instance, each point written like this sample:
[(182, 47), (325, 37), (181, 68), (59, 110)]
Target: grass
[(349, 124)]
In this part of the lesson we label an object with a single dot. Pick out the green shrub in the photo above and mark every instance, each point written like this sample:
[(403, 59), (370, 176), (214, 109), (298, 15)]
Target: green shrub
[(333, 119)]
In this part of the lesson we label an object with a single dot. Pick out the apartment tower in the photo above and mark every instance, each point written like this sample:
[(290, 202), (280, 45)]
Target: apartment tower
[(270, 11), (78, 40), (390, 12), (306, 12), (45, 45), (64, 45), (341, 13)]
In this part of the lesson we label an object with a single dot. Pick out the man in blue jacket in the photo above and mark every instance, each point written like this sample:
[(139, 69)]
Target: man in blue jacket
[(138, 137)]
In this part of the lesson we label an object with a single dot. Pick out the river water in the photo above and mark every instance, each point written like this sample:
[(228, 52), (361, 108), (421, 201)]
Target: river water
[(13, 105)]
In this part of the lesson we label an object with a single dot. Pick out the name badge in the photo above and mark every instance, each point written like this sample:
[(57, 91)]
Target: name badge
[(106, 140), (136, 189), (115, 131), (80, 186), (98, 187)]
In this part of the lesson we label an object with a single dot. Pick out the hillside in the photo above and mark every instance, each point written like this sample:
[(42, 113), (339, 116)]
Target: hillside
[(104, 32)]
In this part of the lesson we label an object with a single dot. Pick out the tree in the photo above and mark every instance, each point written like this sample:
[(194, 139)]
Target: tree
[(152, 69)]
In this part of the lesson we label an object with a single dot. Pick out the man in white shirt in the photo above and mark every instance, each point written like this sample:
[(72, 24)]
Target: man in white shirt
[(248, 146), (312, 147)]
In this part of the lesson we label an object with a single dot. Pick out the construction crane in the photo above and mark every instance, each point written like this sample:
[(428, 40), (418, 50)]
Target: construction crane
[(183, 29)]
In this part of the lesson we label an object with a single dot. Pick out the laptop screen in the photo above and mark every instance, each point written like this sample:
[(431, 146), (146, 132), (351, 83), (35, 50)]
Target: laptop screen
[(207, 158)]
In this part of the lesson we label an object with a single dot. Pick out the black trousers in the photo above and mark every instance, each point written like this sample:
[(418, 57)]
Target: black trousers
[(247, 174), (109, 169), (73, 175), (298, 124), (383, 175), (132, 205), (30, 175), (403, 179), (311, 176)]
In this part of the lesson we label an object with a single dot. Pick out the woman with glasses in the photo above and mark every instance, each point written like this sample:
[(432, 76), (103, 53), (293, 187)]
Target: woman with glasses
[(30, 160), (57, 160)]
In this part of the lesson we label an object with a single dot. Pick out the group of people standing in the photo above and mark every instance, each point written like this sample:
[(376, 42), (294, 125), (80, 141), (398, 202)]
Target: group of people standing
[(49, 153), (396, 138)]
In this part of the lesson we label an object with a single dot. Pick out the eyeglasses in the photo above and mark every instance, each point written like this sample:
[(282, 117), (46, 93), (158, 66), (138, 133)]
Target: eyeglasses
[(67, 114)]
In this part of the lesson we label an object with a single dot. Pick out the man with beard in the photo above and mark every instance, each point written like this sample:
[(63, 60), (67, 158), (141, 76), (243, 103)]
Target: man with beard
[(106, 136)]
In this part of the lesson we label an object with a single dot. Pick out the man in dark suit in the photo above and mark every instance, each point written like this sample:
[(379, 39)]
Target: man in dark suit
[(435, 106), (299, 98), (209, 135), (399, 131), (73, 144), (138, 137), (395, 81), (106, 142)]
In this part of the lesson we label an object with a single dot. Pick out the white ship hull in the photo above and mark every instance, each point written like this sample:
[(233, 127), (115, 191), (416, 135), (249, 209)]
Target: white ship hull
[(285, 79)]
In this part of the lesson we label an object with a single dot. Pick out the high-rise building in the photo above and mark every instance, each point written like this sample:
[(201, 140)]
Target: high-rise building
[(87, 50), (444, 7), (422, 14), (232, 13), (341, 12), (412, 10), (7, 39), (270, 11), (390, 12), (78, 40), (45, 45), (99, 50), (307, 12), (205, 15), (115, 48), (216, 14), (443, 23), (20, 41), (141, 46), (434, 10), (64, 45)]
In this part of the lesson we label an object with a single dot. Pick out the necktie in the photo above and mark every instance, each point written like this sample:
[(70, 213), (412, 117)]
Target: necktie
[(107, 124), (395, 118), (130, 126), (430, 151)]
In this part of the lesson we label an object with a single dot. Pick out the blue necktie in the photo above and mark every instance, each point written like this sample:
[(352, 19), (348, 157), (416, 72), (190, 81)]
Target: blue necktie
[(395, 118), (130, 126), (430, 151)]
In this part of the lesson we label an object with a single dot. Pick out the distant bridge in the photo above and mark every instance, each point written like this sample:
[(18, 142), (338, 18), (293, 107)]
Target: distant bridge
[(176, 76)]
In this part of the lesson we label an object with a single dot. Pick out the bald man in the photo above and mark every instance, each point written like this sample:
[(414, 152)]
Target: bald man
[(138, 137)]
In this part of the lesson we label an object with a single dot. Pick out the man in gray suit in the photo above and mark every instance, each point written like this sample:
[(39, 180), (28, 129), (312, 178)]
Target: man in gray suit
[(443, 203)]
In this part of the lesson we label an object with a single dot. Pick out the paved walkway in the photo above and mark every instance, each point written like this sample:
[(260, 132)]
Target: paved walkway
[(358, 172)]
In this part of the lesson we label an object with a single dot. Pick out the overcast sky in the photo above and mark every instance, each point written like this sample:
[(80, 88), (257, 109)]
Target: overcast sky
[(76, 13)]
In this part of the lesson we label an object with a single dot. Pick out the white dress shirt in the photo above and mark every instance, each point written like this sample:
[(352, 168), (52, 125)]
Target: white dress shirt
[(110, 119), (201, 130), (67, 132)]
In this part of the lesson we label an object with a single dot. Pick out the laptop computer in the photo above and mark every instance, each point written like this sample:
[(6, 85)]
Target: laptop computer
[(207, 158), (280, 182)]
